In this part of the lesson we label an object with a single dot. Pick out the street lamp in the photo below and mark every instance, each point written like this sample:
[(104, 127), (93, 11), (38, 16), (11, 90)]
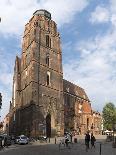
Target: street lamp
[(0, 100), (114, 138)]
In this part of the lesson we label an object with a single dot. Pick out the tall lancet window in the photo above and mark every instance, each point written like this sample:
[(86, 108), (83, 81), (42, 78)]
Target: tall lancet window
[(14, 117), (48, 78), (47, 60), (48, 41)]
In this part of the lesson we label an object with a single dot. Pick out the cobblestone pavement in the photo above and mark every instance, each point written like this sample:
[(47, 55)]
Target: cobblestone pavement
[(38, 148)]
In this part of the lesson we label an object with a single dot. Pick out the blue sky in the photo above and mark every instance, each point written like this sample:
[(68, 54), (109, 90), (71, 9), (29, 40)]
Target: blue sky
[(88, 36)]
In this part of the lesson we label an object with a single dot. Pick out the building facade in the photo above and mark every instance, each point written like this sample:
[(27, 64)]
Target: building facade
[(78, 114), (40, 95)]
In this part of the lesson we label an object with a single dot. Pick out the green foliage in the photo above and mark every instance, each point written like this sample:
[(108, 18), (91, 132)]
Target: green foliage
[(109, 116)]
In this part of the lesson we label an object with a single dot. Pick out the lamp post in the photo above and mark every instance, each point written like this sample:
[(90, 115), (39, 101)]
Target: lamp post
[(114, 138), (1, 124), (0, 102)]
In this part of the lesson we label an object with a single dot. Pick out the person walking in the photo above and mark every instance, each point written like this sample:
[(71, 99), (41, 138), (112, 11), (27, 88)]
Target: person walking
[(5, 142), (71, 137), (66, 140), (87, 140), (1, 146), (93, 139)]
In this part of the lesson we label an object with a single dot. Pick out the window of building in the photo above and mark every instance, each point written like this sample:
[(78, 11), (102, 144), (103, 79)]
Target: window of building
[(48, 41), (26, 72), (87, 123), (47, 60), (48, 78), (36, 23), (14, 117)]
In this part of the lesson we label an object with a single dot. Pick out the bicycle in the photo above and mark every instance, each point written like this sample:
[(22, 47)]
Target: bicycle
[(65, 144)]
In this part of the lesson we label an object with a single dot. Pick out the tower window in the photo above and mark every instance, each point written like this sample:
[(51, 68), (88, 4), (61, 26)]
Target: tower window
[(36, 23), (87, 123), (48, 78), (47, 60), (14, 117), (26, 72), (48, 41)]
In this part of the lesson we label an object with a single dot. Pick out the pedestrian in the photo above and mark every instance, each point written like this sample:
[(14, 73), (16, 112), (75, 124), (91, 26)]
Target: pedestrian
[(87, 140), (93, 139), (71, 137), (5, 142), (1, 146), (66, 140)]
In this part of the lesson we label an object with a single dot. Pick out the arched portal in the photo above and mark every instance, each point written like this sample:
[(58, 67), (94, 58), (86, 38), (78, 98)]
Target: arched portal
[(48, 125)]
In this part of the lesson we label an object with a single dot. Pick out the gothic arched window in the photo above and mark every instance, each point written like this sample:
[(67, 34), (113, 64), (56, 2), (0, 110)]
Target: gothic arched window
[(47, 60), (48, 78), (48, 41)]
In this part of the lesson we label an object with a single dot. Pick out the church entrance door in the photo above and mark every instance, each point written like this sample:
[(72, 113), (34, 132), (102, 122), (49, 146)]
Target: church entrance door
[(48, 125)]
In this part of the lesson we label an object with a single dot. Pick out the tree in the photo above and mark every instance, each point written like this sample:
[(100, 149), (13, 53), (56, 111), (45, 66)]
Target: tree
[(109, 116)]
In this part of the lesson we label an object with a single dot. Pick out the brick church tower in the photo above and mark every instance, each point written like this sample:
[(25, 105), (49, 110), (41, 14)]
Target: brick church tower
[(39, 108)]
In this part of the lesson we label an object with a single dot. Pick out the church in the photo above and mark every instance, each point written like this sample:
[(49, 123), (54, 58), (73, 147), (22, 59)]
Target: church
[(43, 103)]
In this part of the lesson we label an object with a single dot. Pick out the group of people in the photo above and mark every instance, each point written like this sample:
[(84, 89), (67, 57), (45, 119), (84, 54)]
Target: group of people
[(89, 138)]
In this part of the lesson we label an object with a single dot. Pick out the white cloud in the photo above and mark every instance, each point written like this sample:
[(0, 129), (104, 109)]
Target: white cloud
[(100, 15), (113, 19), (15, 14), (6, 79), (95, 71), (104, 14), (6, 98), (112, 5), (63, 11)]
